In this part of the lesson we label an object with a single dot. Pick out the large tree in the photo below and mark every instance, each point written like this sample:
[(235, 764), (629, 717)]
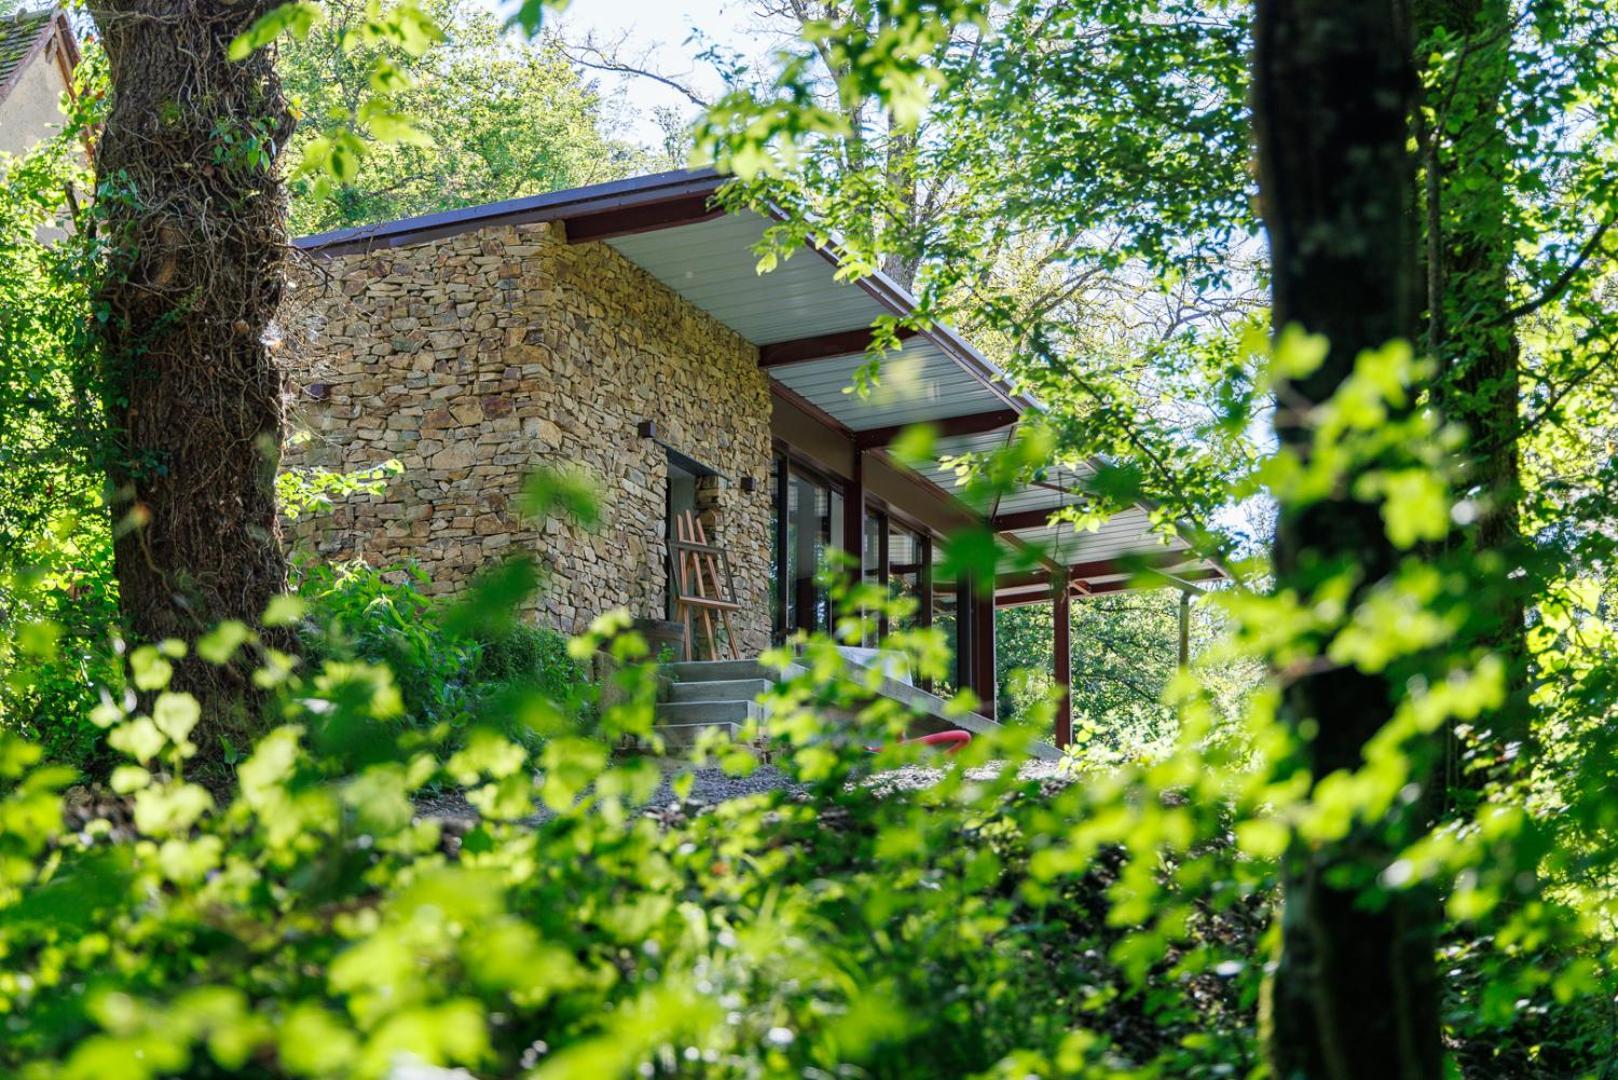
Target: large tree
[(1355, 991), (194, 211)]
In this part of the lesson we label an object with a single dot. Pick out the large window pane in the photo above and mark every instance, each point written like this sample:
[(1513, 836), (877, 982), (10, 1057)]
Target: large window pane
[(805, 530), (907, 552), (946, 609)]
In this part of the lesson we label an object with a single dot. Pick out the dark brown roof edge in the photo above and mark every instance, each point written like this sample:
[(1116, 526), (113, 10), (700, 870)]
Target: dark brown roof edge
[(634, 193)]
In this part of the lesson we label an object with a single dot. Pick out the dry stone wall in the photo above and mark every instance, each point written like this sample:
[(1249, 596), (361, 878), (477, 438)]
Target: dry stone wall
[(473, 359)]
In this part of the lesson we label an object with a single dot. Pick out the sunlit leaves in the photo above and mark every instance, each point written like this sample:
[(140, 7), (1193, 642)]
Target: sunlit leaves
[(294, 19), (140, 739), (219, 645), (167, 809), (1415, 504), (335, 155), (550, 492), (284, 610), (884, 51), (150, 669), (388, 124), (303, 490)]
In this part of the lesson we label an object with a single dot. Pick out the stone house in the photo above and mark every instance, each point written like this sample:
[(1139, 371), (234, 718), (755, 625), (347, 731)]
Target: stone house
[(623, 329), (38, 53)]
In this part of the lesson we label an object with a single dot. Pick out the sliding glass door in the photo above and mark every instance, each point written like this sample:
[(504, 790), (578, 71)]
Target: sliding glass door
[(809, 522)]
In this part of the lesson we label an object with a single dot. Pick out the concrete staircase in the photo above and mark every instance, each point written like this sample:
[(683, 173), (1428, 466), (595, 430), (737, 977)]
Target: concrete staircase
[(706, 694)]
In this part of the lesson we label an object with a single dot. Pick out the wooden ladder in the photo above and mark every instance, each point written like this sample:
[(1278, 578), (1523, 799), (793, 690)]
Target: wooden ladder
[(700, 592)]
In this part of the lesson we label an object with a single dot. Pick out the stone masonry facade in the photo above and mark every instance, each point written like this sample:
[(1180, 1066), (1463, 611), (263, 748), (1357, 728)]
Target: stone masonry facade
[(476, 358)]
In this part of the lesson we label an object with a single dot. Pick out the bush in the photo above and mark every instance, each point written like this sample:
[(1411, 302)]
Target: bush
[(58, 635), (317, 924), (445, 674), (532, 655), (357, 611)]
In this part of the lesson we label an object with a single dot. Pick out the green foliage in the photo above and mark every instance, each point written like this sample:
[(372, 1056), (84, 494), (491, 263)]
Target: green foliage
[(444, 666), (310, 489), (392, 127), (310, 921), (58, 619), (534, 656), (383, 617), (1125, 657), (55, 532)]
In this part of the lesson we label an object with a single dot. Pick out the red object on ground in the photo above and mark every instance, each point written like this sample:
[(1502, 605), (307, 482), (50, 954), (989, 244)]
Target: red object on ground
[(949, 741)]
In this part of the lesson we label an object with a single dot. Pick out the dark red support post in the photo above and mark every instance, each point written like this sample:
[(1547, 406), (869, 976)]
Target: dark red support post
[(853, 538), (984, 681), (1062, 659)]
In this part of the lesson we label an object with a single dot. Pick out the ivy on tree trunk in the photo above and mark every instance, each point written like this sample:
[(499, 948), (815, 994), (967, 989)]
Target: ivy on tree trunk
[(1354, 993), (195, 215), (1467, 158)]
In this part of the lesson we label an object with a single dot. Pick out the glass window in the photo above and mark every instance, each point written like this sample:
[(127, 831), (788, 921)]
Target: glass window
[(946, 613), (908, 571), (809, 524)]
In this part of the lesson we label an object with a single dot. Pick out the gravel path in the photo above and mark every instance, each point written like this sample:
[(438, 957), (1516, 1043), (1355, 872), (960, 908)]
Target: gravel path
[(712, 785)]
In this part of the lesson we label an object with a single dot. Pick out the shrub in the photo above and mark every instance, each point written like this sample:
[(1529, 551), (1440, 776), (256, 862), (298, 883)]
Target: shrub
[(533, 655), (383, 617), (316, 924), (446, 669), (58, 629)]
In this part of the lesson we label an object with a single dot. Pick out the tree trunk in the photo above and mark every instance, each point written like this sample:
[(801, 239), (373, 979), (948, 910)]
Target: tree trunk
[(196, 217), (1470, 247), (1354, 993)]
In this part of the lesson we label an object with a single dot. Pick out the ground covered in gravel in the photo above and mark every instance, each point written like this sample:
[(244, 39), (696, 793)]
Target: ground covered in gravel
[(712, 785)]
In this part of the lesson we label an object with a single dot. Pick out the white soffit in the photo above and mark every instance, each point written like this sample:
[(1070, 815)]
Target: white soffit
[(713, 265)]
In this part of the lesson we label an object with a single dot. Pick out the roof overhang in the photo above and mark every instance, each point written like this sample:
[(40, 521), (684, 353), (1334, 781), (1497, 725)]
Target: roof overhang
[(813, 330)]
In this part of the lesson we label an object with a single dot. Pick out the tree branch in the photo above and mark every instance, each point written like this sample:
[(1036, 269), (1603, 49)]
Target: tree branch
[(1560, 285), (590, 55)]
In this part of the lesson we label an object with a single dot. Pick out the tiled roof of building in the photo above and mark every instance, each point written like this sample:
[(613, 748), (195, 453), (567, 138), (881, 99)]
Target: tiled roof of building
[(20, 36)]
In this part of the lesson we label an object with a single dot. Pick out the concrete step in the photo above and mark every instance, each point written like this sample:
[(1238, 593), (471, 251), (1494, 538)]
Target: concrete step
[(716, 670), (720, 690), (708, 712)]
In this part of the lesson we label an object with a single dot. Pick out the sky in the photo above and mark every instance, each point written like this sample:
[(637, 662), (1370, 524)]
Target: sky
[(667, 35)]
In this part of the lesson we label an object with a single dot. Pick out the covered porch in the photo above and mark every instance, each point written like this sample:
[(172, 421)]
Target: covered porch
[(834, 482)]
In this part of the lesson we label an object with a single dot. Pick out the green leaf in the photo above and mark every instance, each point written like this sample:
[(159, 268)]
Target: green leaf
[(389, 126), (530, 15), (128, 778), (176, 715), (549, 492), (284, 610), (218, 645), (150, 670), (296, 19), (386, 78), (140, 739), (915, 444), (1262, 838), (37, 639), (1299, 354)]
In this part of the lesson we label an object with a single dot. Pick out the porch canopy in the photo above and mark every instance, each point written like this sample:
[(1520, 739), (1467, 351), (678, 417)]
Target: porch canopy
[(812, 332)]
